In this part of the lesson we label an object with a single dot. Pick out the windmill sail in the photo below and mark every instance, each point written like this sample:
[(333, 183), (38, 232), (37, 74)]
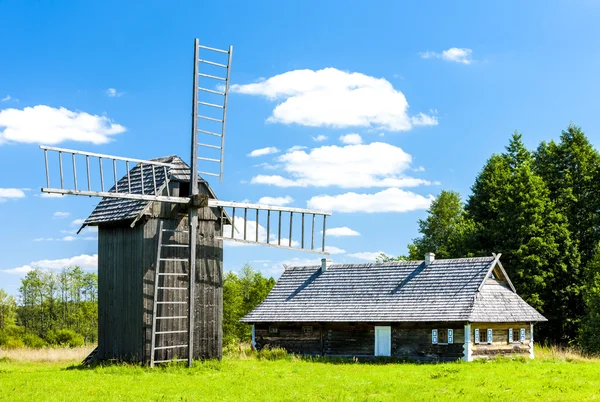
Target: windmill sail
[(273, 226), (211, 90), (99, 175)]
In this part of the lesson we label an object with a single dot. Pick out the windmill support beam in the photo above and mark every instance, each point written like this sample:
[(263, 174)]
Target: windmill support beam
[(106, 194)]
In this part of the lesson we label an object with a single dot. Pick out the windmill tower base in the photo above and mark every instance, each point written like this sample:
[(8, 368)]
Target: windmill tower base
[(126, 273)]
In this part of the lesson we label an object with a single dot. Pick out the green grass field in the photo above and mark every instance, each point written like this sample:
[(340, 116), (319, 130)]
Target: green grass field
[(552, 377)]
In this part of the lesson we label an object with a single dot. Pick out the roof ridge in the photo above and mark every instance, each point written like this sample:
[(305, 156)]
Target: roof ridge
[(395, 263)]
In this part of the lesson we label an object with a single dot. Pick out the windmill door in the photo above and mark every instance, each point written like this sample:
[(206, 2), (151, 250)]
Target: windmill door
[(383, 341)]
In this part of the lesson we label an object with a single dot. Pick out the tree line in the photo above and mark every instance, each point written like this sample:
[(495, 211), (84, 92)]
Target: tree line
[(52, 308), (541, 209), (62, 308)]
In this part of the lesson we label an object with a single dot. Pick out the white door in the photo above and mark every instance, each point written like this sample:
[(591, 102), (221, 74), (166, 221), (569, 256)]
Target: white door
[(383, 341)]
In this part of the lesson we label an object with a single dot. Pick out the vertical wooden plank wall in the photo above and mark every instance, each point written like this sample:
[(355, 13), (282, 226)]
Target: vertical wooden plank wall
[(126, 272), (208, 333), (119, 284)]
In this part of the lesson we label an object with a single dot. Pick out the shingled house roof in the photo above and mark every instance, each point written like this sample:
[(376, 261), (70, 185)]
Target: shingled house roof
[(119, 209), (446, 290)]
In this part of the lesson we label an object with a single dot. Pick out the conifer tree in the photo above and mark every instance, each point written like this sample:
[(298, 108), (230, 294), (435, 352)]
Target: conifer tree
[(515, 216)]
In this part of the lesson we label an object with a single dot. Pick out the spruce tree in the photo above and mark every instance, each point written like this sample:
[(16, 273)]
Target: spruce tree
[(515, 216), (571, 170)]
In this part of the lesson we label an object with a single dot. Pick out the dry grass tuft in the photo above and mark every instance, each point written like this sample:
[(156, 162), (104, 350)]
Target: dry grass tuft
[(240, 351), (563, 353), (46, 354)]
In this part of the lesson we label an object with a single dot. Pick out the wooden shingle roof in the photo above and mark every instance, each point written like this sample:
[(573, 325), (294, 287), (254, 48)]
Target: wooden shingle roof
[(119, 209), (409, 291)]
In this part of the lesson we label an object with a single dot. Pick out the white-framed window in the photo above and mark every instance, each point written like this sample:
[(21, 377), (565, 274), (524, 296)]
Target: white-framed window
[(483, 335), (450, 336), (307, 330), (434, 336), (510, 335), (522, 335)]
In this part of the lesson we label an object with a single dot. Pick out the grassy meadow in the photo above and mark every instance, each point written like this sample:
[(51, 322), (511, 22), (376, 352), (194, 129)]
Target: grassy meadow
[(55, 374)]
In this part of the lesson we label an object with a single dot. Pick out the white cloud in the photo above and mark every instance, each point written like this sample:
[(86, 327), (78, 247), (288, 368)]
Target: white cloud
[(454, 54), (264, 165), (390, 200), (263, 151), (11, 193), (343, 231), (87, 262), (419, 169), (49, 195), (112, 93), (422, 119), (52, 126), (332, 98), (77, 222), (59, 214), (352, 139), (6, 98), (280, 201), (274, 180), (366, 255), (352, 166), (319, 138), (296, 148), (250, 231), (334, 250), (65, 238)]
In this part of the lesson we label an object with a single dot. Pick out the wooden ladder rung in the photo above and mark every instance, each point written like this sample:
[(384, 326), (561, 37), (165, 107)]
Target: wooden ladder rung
[(171, 332), (172, 360), (170, 347)]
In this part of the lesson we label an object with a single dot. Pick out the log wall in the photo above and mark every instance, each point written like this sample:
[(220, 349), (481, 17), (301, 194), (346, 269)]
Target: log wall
[(410, 341), (500, 345)]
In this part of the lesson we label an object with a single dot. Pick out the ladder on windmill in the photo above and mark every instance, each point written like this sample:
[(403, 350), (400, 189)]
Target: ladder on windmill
[(168, 332)]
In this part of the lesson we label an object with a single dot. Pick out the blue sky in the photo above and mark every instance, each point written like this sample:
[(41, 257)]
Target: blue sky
[(428, 90)]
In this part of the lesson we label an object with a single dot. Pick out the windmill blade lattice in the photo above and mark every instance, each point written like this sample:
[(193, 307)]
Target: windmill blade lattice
[(211, 91)]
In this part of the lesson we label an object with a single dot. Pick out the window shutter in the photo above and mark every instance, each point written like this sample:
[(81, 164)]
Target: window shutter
[(522, 335), (477, 335), (489, 335), (510, 335), (450, 336), (434, 336)]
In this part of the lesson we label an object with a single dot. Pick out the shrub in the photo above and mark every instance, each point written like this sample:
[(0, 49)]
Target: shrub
[(9, 342), (275, 353), (33, 341), (10, 338), (64, 337)]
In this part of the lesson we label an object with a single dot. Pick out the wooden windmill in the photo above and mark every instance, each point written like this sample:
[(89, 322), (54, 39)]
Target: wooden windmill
[(161, 230)]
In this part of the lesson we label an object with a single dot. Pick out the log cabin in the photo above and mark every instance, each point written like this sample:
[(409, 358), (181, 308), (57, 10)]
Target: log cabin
[(429, 310)]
